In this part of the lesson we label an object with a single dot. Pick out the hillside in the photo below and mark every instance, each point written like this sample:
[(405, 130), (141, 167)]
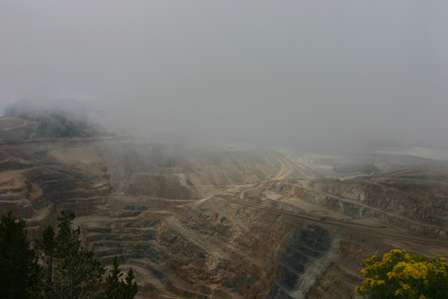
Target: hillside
[(211, 223)]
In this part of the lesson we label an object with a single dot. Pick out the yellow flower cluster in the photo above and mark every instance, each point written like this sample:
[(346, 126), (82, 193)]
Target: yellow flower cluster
[(399, 274), (410, 270)]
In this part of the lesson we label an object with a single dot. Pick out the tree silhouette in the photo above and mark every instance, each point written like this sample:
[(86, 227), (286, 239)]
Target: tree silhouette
[(19, 271), (117, 287), (59, 267)]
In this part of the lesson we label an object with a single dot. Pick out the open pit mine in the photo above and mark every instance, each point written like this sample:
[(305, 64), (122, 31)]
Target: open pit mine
[(210, 222)]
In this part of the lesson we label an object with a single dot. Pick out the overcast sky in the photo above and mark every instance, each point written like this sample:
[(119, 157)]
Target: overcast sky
[(315, 74)]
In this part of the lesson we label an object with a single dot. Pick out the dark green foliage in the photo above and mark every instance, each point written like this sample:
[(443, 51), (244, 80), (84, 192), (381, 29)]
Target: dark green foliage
[(72, 271), (130, 285), (117, 287), (67, 270), (18, 266), (48, 247)]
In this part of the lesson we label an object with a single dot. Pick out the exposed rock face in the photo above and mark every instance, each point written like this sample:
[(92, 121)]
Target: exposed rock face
[(305, 249), (223, 224), (416, 201)]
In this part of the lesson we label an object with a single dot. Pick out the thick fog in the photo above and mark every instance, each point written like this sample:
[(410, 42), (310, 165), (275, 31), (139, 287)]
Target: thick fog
[(311, 74)]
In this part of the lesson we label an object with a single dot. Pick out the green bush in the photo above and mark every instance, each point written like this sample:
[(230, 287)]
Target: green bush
[(399, 274)]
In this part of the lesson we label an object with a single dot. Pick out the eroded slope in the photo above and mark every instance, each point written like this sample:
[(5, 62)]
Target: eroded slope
[(210, 223)]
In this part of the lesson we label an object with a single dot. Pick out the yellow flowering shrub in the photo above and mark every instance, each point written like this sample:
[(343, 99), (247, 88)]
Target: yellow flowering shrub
[(399, 274)]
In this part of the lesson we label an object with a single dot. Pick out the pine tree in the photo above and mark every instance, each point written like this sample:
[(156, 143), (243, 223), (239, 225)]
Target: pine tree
[(19, 271), (112, 283), (77, 274), (130, 285), (48, 247), (67, 271), (118, 288)]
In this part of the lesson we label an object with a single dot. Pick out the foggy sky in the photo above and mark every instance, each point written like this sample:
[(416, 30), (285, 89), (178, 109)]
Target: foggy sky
[(312, 74)]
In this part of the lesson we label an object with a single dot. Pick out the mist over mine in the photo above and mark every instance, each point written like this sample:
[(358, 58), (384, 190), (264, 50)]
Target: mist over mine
[(223, 149)]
